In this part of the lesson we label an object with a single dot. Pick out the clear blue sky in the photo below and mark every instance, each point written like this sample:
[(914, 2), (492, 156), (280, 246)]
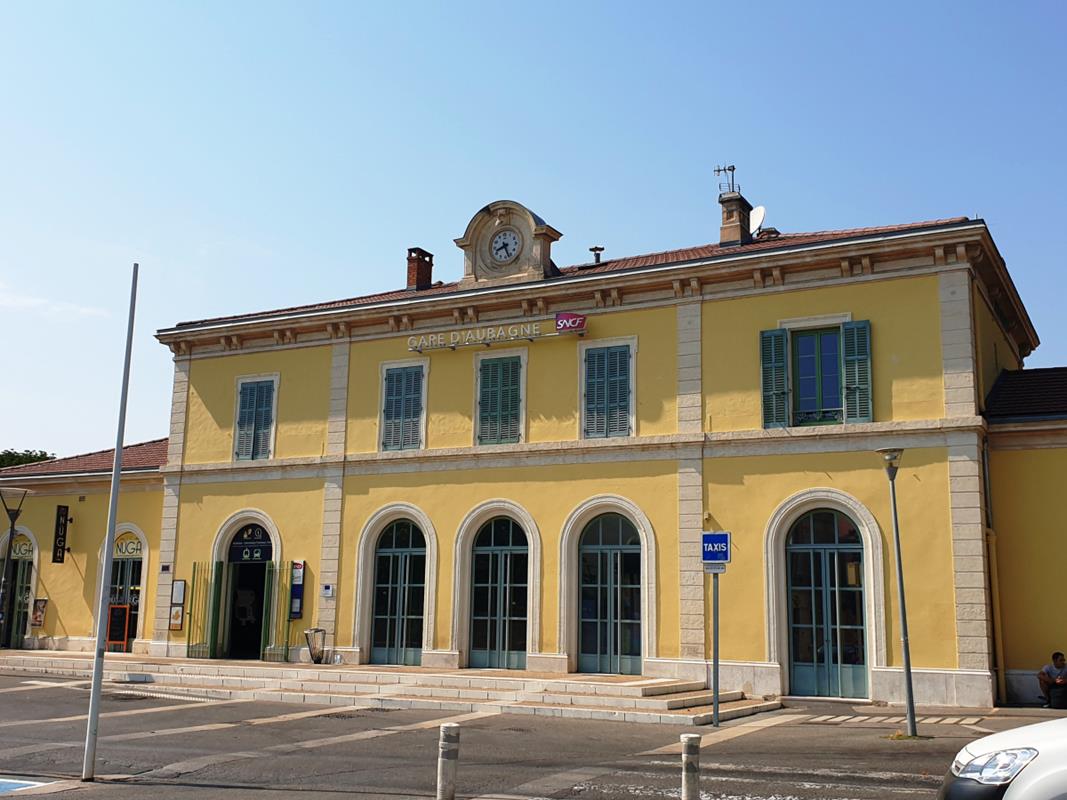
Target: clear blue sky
[(258, 155)]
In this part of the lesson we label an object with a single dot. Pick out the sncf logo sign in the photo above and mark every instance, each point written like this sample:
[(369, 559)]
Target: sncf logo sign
[(567, 322)]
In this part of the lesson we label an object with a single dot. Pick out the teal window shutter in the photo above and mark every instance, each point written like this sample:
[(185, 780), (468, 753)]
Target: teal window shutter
[(498, 400), (246, 421), (856, 352), (402, 411), (607, 392), (264, 419), (774, 349)]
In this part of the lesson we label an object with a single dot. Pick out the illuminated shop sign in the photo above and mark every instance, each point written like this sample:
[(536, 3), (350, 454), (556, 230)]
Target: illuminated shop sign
[(488, 335)]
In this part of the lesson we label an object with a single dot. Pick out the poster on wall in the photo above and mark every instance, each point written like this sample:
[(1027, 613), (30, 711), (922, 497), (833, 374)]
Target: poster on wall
[(177, 593), (177, 617), (40, 605)]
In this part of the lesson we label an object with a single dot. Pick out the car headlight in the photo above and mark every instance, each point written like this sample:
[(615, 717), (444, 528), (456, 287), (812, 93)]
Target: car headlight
[(996, 768)]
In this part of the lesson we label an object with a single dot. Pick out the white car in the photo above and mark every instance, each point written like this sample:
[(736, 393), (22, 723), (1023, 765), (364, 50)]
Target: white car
[(1027, 763)]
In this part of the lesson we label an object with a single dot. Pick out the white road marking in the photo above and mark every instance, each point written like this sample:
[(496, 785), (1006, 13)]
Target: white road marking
[(977, 728), (970, 720), (732, 732), (546, 787), (32, 685), (195, 764), (126, 713)]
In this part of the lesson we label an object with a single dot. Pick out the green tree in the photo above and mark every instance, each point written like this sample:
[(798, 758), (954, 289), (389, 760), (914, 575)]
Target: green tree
[(11, 458)]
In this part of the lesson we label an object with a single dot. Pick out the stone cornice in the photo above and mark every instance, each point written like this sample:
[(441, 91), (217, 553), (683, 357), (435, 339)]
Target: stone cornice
[(1036, 435)]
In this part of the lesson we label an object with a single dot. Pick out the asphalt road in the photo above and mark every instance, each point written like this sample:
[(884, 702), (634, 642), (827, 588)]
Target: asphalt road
[(171, 747)]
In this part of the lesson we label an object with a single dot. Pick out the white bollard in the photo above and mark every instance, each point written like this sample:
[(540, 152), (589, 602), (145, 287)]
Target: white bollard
[(447, 759), (690, 766)]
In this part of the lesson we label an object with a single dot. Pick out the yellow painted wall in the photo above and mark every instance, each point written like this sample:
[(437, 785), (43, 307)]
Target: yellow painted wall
[(551, 384), (549, 494), (302, 401), (71, 586), (1029, 526), (295, 506), (905, 341), (991, 345), (743, 493)]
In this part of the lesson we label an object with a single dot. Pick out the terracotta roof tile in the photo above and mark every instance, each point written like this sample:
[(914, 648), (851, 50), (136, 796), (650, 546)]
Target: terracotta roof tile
[(145, 455), (678, 256), (1028, 394)]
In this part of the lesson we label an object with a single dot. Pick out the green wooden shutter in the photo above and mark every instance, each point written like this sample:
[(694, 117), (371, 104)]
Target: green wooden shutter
[(618, 394), (264, 419), (856, 351), (510, 399), (411, 435), (596, 392), (774, 348), (246, 421), (392, 414), (498, 400)]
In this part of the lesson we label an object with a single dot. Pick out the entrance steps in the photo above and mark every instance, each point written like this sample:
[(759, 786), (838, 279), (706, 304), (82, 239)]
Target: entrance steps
[(627, 698)]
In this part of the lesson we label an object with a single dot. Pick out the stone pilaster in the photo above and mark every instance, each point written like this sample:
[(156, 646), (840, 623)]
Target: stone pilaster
[(179, 398), (168, 546), (957, 344), (690, 569), (690, 393), (332, 505), (337, 421)]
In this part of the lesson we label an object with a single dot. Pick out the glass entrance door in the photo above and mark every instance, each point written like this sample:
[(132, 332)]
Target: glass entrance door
[(126, 591), (828, 637), (498, 604), (610, 603), (399, 595), (18, 601)]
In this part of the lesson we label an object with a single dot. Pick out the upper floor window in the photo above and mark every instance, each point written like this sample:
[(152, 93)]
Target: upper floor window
[(255, 418), (403, 408), (500, 400), (816, 376), (608, 402)]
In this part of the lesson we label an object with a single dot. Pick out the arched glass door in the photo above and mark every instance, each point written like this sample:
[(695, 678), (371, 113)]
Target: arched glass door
[(399, 595), (610, 603), (827, 628), (498, 596), (126, 588), (20, 594)]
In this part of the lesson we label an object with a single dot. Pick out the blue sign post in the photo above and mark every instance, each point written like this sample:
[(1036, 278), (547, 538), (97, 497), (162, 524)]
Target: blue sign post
[(715, 553)]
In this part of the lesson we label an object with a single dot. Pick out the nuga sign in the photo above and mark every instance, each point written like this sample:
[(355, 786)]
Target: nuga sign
[(488, 335)]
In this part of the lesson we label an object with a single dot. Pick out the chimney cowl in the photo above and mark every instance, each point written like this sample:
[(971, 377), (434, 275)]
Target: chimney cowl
[(735, 219), (420, 269)]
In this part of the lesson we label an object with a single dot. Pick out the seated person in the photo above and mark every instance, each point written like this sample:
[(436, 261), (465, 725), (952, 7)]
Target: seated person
[(1051, 676)]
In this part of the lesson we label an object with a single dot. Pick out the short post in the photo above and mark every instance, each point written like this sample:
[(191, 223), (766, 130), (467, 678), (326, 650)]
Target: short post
[(447, 759), (690, 766)]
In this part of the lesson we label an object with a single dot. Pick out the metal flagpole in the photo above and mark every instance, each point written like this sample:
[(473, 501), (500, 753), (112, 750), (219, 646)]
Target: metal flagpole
[(89, 764)]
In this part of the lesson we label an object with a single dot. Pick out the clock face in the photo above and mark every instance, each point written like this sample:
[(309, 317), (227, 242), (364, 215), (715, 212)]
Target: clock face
[(504, 246)]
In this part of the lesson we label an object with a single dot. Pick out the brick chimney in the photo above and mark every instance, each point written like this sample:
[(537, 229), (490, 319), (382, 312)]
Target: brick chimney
[(735, 211), (420, 269)]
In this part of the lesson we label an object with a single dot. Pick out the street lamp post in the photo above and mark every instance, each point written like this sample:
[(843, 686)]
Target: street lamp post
[(891, 458), (12, 499)]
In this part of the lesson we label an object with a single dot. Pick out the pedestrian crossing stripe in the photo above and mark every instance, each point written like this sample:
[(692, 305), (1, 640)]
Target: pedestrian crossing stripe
[(847, 718)]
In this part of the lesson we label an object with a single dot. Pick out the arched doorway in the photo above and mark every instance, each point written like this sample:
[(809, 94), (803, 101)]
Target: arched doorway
[(827, 617), (125, 590), (499, 579), (609, 634), (20, 599), (248, 588), (399, 594)]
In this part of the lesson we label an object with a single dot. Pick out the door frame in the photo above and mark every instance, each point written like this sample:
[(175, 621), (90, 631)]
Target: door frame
[(121, 528), (776, 583), (27, 633), (461, 569)]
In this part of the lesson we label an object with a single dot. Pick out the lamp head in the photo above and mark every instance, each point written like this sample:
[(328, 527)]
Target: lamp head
[(890, 456), (12, 497)]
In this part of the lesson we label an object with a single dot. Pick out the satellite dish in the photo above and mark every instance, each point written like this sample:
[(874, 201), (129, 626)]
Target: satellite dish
[(755, 219)]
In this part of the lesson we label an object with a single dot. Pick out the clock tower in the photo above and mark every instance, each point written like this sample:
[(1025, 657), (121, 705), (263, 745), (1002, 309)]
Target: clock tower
[(505, 242)]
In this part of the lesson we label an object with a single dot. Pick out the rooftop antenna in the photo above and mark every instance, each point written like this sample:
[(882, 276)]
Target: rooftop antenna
[(729, 185), (596, 250)]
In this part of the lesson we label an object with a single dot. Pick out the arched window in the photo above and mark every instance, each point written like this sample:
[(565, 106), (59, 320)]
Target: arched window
[(610, 596), (399, 594), (499, 581)]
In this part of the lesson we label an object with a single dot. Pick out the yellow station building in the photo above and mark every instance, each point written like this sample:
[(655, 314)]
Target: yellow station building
[(514, 470)]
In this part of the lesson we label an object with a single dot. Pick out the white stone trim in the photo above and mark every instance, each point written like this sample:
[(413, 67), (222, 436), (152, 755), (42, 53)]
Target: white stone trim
[(368, 542), (383, 369), (964, 688), (618, 341), (121, 528), (567, 629), (461, 574), (34, 570), (337, 421), (179, 403), (523, 355), (958, 361), (818, 321), (239, 381), (775, 594), (330, 554), (692, 613), (690, 402), (168, 543)]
